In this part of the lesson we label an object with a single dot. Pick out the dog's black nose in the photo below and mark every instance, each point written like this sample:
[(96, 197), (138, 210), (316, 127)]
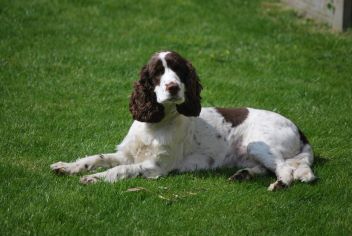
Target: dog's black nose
[(172, 88)]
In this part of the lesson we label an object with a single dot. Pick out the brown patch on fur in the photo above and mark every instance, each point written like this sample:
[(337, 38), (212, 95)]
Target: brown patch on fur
[(143, 104), (235, 116)]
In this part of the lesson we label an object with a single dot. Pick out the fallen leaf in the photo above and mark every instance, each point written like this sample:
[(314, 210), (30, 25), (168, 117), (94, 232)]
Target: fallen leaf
[(136, 189), (165, 198)]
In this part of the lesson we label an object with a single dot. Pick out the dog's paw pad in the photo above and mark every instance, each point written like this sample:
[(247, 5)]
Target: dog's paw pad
[(59, 168), (89, 179), (278, 185), (240, 176), (63, 168)]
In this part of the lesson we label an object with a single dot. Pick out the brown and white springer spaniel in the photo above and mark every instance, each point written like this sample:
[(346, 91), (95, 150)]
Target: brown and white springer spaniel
[(172, 132)]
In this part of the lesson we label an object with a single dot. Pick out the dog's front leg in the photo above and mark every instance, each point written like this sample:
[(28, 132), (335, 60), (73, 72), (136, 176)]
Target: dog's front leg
[(90, 163), (148, 169)]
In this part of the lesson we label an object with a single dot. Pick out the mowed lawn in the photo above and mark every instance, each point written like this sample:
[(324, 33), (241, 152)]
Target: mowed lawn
[(66, 71)]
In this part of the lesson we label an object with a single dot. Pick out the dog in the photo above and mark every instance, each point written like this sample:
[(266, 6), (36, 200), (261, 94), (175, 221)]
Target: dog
[(172, 132)]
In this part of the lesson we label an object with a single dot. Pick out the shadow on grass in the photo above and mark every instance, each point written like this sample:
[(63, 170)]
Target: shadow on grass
[(319, 161), (225, 173)]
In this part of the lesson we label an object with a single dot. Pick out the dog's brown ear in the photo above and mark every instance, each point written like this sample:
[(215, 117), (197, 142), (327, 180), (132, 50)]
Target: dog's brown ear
[(192, 104), (143, 104)]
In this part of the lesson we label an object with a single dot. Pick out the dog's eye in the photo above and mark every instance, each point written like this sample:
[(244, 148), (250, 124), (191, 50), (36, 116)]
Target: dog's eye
[(156, 80), (159, 71), (157, 75)]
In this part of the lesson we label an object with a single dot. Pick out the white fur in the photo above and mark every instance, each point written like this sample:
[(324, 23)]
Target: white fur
[(169, 76), (263, 141)]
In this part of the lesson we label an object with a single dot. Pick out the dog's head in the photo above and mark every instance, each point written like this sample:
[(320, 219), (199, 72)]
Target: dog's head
[(167, 79)]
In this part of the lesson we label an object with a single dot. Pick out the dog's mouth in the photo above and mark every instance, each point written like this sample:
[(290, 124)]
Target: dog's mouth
[(175, 99)]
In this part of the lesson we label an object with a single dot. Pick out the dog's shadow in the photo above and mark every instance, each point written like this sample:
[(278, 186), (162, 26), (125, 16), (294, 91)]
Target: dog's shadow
[(225, 173), (319, 161)]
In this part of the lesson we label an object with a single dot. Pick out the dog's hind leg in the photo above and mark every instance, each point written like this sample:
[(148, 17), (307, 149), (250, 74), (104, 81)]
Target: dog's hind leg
[(304, 173), (272, 160), (301, 165), (89, 163)]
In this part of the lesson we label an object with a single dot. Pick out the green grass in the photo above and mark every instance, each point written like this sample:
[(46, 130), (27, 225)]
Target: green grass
[(66, 73)]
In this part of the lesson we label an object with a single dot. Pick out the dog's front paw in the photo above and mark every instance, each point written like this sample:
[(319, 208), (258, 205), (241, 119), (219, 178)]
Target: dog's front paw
[(62, 168), (89, 179), (278, 185)]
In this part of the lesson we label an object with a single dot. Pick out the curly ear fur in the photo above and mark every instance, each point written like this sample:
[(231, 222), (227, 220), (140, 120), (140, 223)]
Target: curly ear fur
[(192, 105), (143, 104)]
